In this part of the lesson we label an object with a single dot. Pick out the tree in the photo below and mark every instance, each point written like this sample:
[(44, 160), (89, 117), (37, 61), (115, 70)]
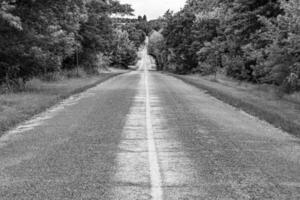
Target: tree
[(142, 24), (96, 33), (124, 51), (241, 29), (46, 38), (179, 40), (6, 6), (42, 36), (145, 18), (251, 40), (280, 60), (156, 48), (136, 35)]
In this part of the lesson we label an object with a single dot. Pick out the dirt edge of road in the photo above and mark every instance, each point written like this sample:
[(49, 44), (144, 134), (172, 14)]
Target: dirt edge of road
[(262, 112), (14, 121)]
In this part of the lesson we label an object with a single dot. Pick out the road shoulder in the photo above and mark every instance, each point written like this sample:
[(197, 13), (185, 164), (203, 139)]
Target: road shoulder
[(278, 112), (18, 107)]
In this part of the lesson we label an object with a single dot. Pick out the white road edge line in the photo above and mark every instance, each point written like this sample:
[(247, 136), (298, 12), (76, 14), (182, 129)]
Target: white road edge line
[(156, 182)]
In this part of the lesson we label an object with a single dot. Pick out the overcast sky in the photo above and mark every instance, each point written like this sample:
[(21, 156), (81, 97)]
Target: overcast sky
[(154, 8)]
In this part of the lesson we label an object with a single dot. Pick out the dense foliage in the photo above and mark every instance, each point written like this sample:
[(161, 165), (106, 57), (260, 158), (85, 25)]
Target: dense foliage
[(38, 37), (249, 40), (156, 48), (137, 30), (124, 52)]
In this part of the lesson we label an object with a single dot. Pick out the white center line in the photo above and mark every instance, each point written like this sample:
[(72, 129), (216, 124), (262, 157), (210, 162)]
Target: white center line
[(156, 183)]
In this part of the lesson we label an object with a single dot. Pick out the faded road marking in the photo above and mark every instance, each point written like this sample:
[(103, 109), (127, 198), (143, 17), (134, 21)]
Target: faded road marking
[(137, 159), (132, 159), (156, 182)]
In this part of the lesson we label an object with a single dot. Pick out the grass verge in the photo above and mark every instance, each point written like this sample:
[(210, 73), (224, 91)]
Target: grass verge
[(282, 113), (40, 95)]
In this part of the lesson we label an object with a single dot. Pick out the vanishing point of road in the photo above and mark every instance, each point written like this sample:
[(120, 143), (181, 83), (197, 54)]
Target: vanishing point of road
[(146, 135)]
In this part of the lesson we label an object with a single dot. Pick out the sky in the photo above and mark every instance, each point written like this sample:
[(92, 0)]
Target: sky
[(154, 8)]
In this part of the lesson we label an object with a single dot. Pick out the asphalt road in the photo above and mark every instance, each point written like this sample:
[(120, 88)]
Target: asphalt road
[(145, 135)]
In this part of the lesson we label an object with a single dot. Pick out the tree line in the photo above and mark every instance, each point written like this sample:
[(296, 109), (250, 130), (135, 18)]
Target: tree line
[(250, 40), (40, 37)]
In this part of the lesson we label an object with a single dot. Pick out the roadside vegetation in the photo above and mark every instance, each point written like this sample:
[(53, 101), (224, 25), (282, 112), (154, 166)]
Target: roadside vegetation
[(254, 41), (245, 53), (44, 38), (52, 49)]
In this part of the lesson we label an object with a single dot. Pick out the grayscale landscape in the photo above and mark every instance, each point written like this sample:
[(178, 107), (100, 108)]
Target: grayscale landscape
[(160, 100)]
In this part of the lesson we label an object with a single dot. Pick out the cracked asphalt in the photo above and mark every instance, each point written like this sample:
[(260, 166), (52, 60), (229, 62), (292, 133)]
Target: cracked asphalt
[(145, 135)]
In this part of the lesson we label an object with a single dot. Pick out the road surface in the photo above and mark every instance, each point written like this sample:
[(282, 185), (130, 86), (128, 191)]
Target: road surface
[(145, 135)]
